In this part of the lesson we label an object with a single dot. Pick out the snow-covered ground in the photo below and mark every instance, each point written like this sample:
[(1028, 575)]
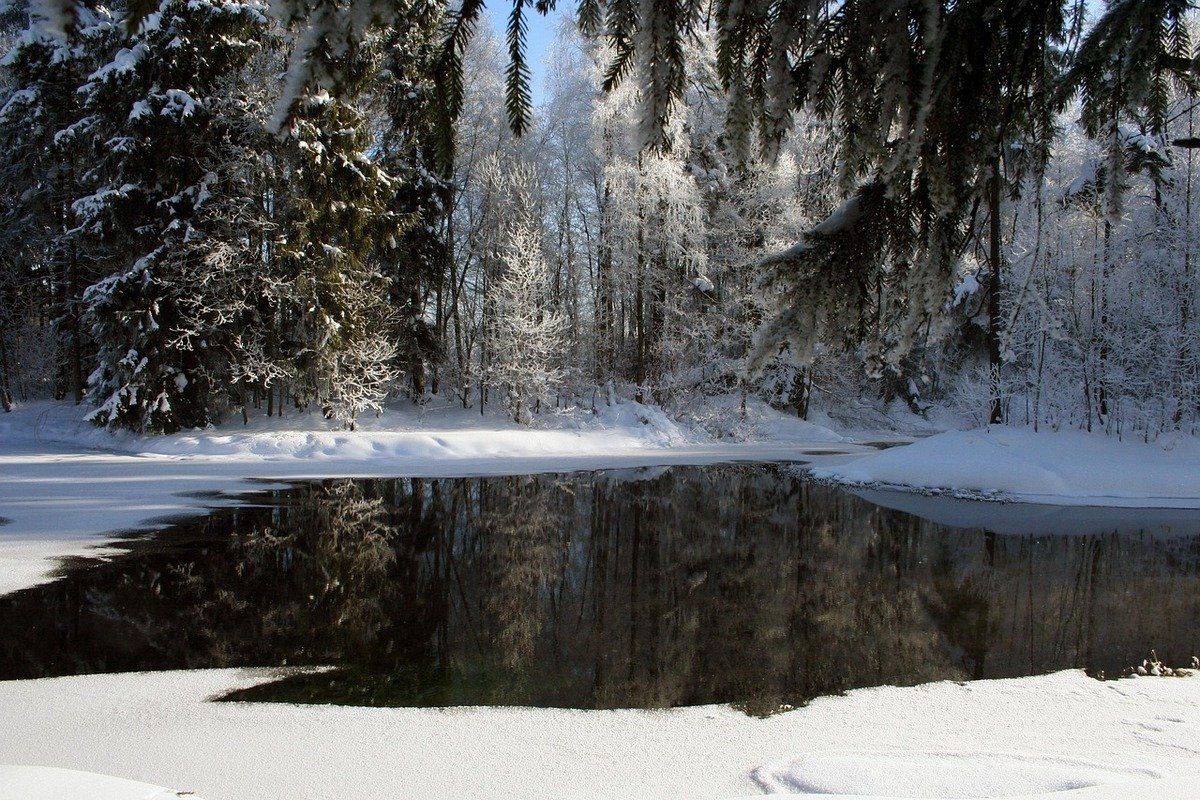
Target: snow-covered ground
[(55, 783), (66, 486), (1056, 736), (1037, 519), (1070, 468)]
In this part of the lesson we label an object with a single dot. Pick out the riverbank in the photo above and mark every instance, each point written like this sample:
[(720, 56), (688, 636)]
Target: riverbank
[(66, 487), (1061, 735), (1069, 468)]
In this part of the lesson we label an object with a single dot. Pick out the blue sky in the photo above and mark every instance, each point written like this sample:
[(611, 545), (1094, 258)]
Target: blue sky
[(541, 34)]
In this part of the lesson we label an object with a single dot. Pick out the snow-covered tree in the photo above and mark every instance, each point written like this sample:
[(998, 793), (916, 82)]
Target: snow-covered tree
[(572, 175), (162, 116), (653, 226), (44, 271), (527, 336), (339, 329), (485, 154), (416, 264)]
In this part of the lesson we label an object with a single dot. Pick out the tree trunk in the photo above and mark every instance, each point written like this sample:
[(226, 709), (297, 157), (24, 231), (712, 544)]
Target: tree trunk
[(6, 400), (75, 311), (417, 362), (994, 332)]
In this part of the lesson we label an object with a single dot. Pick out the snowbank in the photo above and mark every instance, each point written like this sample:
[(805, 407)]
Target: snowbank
[(905, 773), (65, 484), (52, 783), (1028, 737), (1058, 468), (1025, 519), (410, 436)]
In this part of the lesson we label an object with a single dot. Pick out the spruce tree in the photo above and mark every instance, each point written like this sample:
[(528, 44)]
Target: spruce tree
[(336, 220), (42, 171), (421, 193), (12, 270), (163, 113)]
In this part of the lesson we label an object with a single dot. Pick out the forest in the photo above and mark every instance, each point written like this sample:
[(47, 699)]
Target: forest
[(217, 208)]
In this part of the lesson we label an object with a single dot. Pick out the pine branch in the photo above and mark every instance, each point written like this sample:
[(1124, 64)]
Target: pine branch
[(623, 25), (516, 89), (448, 77), (589, 17)]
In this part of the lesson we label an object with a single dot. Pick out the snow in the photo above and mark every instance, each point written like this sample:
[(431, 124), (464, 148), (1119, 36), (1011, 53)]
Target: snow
[(180, 103), (967, 287), (93, 204), (1025, 737), (1061, 468), (1088, 174), (1134, 139), (51, 18), (126, 60), (843, 218), (1025, 519), (793, 253), (68, 485), (19, 101), (942, 774), (140, 109), (122, 737), (53, 783)]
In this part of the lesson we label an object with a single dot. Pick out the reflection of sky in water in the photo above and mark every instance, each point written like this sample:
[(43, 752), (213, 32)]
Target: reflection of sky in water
[(648, 588)]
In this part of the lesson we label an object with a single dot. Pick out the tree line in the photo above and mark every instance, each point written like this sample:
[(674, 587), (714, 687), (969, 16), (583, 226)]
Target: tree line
[(208, 208)]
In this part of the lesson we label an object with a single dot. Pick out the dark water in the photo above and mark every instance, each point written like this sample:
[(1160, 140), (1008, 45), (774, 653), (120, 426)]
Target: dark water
[(646, 588)]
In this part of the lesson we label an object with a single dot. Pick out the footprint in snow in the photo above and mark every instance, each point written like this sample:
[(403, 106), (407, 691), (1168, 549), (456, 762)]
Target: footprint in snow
[(936, 774)]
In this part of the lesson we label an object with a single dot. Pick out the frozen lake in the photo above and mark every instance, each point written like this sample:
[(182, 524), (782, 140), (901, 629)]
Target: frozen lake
[(645, 588)]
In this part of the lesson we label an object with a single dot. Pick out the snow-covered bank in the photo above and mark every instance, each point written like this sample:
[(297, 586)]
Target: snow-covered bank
[(1057, 468), (65, 485), (1036, 519), (54, 783), (435, 433), (1026, 737)]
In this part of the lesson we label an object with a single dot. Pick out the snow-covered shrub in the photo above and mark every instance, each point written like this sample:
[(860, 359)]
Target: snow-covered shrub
[(527, 336)]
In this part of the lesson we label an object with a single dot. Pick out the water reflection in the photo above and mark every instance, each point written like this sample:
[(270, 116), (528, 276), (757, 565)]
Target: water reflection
[(634, 588), (1038, 519)]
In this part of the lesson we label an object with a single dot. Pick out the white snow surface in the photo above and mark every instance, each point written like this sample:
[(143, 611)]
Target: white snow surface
[(955, 773), (54, 783), (66, 486), (1055, 737), (1054, 468)]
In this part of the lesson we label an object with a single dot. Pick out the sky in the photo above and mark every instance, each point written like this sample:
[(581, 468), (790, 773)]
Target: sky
[(540, 35)]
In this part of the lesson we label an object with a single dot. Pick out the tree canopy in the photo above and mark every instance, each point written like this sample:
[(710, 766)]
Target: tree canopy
[(214, 202)]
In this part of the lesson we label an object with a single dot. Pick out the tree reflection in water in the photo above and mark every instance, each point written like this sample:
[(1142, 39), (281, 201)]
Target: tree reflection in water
[(646, 588)]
